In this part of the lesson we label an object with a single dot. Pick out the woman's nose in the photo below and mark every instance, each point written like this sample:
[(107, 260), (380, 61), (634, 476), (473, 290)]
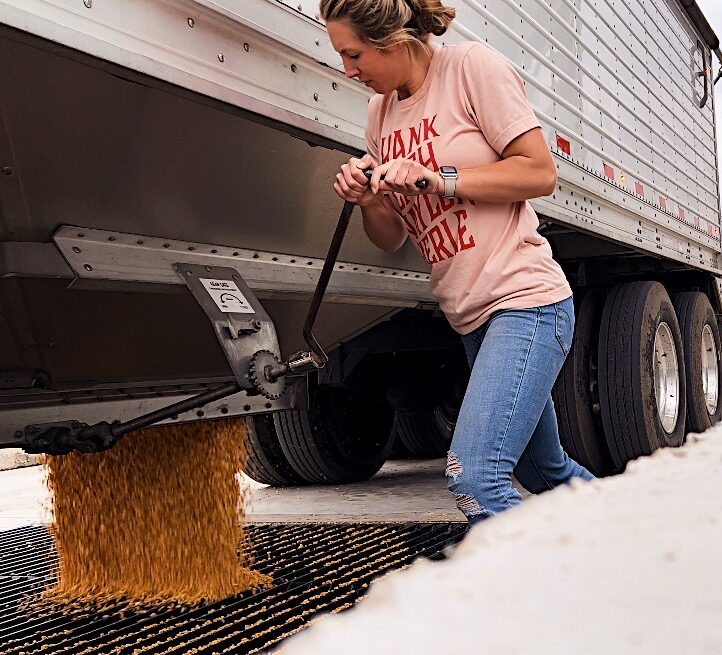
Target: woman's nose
[(350, 70)]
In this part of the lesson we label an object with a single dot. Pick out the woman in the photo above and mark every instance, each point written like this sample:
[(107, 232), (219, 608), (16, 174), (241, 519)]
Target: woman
[(458, 118)]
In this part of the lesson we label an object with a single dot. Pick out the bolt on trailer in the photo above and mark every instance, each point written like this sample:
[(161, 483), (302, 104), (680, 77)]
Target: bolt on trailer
[(166, 205)]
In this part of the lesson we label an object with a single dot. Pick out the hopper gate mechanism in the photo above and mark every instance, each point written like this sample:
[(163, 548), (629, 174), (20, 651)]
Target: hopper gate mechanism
[(248, 338)]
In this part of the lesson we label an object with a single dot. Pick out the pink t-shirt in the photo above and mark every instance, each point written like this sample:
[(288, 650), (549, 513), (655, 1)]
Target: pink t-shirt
[(484, 256)]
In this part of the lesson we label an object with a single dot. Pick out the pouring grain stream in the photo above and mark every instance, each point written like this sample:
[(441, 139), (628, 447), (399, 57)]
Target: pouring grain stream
[(156, 519)]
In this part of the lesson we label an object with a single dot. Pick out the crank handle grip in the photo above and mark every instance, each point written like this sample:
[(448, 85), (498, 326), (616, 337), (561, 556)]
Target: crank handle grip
[(420, 184)]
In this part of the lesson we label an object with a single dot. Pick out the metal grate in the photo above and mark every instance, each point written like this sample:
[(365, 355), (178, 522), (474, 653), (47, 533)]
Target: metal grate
[(317, 568)]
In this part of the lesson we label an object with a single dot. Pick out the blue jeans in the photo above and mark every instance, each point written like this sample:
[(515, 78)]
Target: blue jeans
[(507, 421)]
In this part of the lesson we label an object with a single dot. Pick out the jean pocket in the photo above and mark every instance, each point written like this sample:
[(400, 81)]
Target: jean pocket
[(564, 325)]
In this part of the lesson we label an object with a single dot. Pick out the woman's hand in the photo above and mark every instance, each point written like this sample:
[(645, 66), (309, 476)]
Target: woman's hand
[(351, 183), (401, 176)]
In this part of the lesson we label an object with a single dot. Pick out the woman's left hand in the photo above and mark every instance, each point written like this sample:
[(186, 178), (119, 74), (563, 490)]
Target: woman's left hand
[(401, 176)]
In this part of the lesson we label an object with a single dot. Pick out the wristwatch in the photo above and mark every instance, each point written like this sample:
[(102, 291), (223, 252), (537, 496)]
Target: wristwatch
[(449, 174)]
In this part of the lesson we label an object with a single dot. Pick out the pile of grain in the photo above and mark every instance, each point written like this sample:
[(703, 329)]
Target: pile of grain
[(158, 518)]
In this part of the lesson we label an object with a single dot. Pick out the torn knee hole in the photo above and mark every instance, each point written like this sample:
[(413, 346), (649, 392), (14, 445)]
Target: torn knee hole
[(468, 505), (453, 466)]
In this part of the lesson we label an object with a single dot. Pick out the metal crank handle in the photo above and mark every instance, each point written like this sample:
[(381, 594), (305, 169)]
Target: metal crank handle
[(316, 358), (420, 184)]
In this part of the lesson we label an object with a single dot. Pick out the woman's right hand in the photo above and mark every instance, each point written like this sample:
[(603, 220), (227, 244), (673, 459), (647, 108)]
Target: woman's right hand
[(351, 183)]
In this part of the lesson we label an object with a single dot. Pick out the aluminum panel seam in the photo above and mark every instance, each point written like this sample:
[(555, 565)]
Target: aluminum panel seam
[(293, 28), (624, 224), (102, 255), (203, 75), (14, 421), (572, 33), (558, 126)]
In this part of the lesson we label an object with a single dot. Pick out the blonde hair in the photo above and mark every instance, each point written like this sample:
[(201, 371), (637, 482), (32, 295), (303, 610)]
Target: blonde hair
[(388, 23)]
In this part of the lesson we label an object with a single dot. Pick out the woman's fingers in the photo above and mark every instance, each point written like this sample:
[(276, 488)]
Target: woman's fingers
[(358, 166), (390, 172), (400, 176), (411, 178), (375, 180), (354, 176), (365, 162), (395, 178), (351, 183), (345, 191)]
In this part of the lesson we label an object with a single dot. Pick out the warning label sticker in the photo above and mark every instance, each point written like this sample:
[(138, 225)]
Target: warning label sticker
[(227, 296)]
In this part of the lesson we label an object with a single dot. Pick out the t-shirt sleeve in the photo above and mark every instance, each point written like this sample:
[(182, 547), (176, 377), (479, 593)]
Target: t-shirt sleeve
[(373, 126), (496, 97)]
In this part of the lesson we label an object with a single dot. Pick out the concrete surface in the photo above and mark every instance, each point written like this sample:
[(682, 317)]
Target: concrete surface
[(23, 497), (13, 458), (629, 564), (404, 490)]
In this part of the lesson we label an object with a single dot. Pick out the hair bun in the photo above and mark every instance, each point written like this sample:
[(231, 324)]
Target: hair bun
[(430, 16), (388, 23)]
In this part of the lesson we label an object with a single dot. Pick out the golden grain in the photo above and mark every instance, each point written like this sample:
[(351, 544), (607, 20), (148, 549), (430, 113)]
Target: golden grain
[(156, 519)]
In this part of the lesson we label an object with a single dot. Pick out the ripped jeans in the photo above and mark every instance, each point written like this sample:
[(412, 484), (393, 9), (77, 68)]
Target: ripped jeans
[(507, 421)]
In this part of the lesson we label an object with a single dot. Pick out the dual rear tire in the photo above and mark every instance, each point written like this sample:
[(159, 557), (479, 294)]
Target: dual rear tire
[(427, 432), (642, 378), (345, 436), (701, 339), (576, 392), (643, 371)]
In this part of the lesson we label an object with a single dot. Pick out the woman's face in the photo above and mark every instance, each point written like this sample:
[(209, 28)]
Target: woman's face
[(376, 69)]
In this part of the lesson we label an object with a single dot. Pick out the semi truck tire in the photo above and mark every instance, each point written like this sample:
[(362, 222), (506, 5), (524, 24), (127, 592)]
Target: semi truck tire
[(701, 343), (265, 460), (642, 387), (576, 392), (425, 434), (344, 437), (398, 450), (428, 433)]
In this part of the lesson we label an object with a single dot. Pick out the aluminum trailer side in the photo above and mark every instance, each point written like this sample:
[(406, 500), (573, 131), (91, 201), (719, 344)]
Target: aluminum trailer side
[(138, 135)]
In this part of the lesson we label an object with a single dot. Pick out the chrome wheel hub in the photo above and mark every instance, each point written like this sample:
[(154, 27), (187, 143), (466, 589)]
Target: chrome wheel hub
[(710, 371), (666, 377)]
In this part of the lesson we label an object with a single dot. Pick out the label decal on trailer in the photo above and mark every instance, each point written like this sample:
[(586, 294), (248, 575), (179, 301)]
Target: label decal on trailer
[(227, 296), (564, 145)]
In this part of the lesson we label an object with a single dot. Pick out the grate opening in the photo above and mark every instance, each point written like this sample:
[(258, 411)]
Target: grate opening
[(317, 568)]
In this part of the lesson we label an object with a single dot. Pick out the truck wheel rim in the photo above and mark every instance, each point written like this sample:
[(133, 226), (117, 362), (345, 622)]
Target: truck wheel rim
[(666, 377), (710, 372)]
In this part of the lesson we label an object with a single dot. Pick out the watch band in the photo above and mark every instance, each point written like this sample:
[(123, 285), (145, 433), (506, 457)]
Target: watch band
[(449, 187), (449, 174)]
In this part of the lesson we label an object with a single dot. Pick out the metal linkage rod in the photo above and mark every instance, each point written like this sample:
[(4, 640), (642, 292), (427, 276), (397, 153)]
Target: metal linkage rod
[(121, 429)]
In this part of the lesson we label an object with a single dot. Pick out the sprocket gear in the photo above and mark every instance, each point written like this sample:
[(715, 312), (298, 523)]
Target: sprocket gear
[(261, 361)]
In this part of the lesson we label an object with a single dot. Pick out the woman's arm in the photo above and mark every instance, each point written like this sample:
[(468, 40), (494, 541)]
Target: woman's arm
[(383, 225), (525, 171)]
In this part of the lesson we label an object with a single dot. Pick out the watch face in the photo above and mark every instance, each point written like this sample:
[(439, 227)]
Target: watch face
[(447, 170)]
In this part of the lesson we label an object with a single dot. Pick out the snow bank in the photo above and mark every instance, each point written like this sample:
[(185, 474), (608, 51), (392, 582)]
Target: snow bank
[(626, 564)]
